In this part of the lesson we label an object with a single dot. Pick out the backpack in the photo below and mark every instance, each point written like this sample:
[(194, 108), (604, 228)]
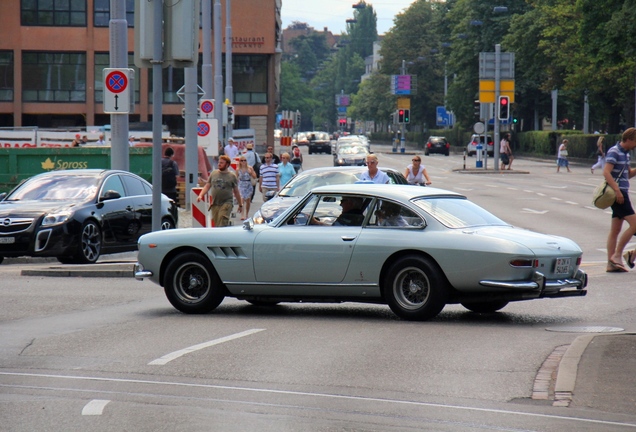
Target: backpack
[(168, 175)]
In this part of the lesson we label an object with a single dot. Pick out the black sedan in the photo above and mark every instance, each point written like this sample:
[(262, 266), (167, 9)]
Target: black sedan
[(437, 144), (78, 215), (307, 180), (319, 142)]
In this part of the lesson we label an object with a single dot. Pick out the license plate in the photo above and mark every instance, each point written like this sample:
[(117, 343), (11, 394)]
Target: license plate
[(7, 240), (562, 265)]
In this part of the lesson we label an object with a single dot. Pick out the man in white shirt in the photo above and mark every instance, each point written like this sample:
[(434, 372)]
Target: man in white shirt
[(373, 173), (231, 150)]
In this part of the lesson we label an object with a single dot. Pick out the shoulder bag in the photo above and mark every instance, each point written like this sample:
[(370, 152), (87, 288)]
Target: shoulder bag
[(604, 196)]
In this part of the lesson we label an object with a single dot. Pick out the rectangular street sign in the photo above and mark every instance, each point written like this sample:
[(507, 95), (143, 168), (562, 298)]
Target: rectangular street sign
[(404, 103), (117, 83), (487, 90), (487, 65)]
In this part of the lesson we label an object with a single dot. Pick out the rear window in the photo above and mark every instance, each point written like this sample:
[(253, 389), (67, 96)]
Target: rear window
[(457, 212)]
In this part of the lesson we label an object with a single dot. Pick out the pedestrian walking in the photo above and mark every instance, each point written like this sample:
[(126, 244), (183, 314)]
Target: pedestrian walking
[(416, 172), (222, 183), (247, 181), (617, 173), (169, 174), (269, 180), (562, 156), (505, 152), (373, 173), (285, 169), (296, 158), (600, 153), (230, 149)]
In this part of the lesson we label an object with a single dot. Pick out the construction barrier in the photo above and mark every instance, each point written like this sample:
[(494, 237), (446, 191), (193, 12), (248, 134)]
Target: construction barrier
[(200, 214)]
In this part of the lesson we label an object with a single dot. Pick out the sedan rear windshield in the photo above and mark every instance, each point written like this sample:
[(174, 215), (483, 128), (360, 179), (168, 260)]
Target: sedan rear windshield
[(457, 212)]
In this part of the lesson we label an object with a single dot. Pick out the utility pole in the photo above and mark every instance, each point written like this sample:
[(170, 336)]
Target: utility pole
[(218, 75), (119, 149), (228, 61)]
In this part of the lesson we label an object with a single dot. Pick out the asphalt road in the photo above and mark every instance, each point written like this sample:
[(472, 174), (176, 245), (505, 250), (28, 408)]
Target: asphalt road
[(111, 354)]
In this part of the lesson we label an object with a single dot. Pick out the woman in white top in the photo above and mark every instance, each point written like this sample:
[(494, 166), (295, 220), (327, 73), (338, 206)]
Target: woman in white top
[(416, 173)]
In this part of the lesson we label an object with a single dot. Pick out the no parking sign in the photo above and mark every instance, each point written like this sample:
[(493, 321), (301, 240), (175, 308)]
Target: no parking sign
[(117, 90), (206, 108), (208, 136)]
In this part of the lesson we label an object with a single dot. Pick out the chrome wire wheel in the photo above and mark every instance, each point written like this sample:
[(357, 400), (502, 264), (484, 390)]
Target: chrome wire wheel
[(192, 282), (91, 242), (411, 288)]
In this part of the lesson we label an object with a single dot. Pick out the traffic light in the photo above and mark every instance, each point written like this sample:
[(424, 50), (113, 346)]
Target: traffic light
[(477, 109), (504, 108), (400, 116), (407, 116), (230, 114)]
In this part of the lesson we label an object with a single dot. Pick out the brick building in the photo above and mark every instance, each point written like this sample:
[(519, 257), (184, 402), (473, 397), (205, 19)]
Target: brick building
[(52, 54)]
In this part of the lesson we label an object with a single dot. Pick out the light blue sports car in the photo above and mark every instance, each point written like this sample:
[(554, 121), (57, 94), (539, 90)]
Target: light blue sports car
[(415, 249)]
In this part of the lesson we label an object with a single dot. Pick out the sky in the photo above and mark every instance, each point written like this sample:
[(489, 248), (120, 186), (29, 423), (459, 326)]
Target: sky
[(334, 13)]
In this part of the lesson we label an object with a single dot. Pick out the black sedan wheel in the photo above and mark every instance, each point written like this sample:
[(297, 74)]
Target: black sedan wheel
[(1, 259), (90, 246), (485, 307), (167, 224), (192, 285), (415, 289)]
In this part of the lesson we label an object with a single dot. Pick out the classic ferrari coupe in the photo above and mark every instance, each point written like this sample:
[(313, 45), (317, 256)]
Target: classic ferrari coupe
[(415, 249)]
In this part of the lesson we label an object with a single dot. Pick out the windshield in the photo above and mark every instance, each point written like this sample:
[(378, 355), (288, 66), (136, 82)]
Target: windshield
[(303, 183), (56, 188), (457, 212), (353, 150)]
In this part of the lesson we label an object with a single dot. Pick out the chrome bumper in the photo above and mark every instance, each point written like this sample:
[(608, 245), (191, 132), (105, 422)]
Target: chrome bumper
[(141, 273), (540, 284)]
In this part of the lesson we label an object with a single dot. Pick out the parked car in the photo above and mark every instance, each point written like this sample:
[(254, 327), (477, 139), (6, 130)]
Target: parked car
[(319, 142), (471, 147), (415, 249), (306, 180), (437, 144), (351, 155), (78, 215)]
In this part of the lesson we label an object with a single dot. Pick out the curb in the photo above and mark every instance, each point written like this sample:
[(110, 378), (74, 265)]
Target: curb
[(568, 369), (105, 270)]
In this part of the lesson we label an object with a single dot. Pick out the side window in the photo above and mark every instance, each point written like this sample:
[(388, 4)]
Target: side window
[(113, 183), (390, 214), (304, 215), (134, 186)]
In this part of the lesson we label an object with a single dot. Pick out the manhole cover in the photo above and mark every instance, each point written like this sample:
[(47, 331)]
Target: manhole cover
[(586, 329)]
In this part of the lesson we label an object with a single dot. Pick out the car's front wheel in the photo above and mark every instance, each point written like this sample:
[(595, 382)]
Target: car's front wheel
[(415, 289), (90, 246), (485, 307), (192, 285), (166, 224)]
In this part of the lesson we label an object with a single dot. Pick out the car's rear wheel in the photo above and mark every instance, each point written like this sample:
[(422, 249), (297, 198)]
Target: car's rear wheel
[(192, 285), (415, 289), (1, 259), (90, 246), (485, 307)]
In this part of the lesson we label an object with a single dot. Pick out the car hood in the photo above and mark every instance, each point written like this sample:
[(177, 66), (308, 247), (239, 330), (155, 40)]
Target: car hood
[(33, 208), (272, 208), (539, 243)]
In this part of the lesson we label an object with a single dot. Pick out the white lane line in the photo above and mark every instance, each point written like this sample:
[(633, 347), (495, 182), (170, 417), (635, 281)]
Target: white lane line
[(176, 354), (556, 199), (540, 194), (572, 202), (528, 210), (95, 407), (319, 395)]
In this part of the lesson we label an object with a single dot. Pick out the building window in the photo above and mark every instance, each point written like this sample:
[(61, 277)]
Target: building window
[(101, 17), (249, 79), (102, 60), (6, 76), (61, 13), (173, 80), (53, 77)]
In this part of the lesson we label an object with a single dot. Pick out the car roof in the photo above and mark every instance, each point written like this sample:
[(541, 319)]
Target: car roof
[(398, 192), (349, 169), (92, 172)]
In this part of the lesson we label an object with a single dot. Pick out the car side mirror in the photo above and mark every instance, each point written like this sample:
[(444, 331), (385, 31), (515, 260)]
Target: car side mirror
[(248, 224), (2, 195), (110, 195)]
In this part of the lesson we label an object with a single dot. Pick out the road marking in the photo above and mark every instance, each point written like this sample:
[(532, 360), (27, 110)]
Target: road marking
[(556, 198), (527, 210), (572, 202), (529, 191), (95, 407), (311, 394), (555, 187), (462, 189), (176, 354), (540, 194)]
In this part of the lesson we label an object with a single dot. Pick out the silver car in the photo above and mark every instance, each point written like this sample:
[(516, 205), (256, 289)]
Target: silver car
[(415, 249)]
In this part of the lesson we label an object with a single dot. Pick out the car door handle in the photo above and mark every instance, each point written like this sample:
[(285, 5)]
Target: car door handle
[(348, 238)]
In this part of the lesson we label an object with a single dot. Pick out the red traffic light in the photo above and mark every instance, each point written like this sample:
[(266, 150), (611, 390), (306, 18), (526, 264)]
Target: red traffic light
[(504, 101)]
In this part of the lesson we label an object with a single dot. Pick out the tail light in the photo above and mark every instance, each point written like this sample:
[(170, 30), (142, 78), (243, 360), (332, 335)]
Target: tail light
[(579, 260), (524, 262)]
